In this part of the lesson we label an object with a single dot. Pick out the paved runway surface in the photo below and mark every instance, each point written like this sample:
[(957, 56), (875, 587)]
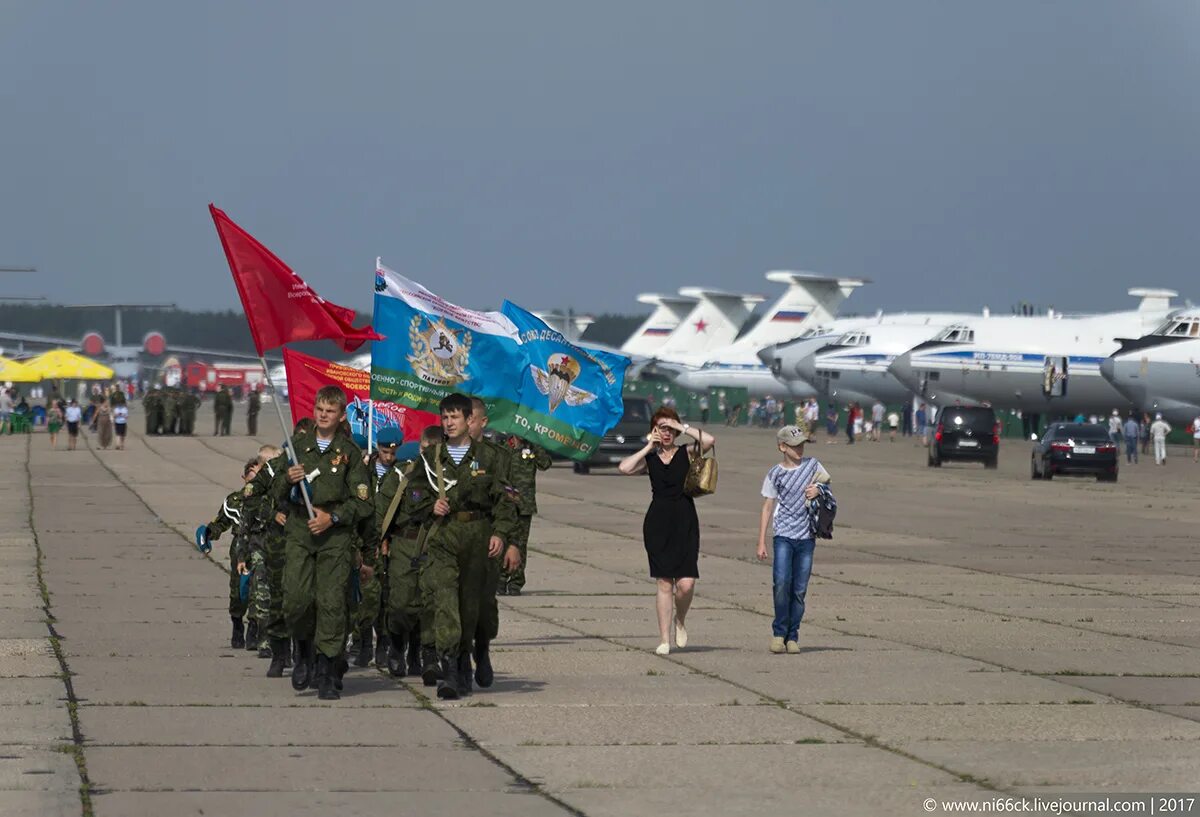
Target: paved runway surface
[(967, 632)]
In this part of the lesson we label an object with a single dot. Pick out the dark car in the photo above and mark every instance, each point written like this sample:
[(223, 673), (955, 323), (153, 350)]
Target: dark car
[(1075, 448), (626, 437), (965, 433)]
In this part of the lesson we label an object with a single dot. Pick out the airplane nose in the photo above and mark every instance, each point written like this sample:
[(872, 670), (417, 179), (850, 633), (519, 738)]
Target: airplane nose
[(902, 369), (1108, 368), (769, 355), (806, 368)]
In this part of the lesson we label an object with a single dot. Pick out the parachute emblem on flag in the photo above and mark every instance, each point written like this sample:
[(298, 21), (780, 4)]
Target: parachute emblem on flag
[(438, 356), (555, 382)]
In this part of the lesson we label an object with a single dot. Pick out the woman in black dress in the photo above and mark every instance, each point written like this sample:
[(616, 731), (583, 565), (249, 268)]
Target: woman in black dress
[(671, 530)]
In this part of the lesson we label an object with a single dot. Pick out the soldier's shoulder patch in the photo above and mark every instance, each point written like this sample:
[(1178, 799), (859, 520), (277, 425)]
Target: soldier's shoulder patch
[(248, 490), (363, 492)]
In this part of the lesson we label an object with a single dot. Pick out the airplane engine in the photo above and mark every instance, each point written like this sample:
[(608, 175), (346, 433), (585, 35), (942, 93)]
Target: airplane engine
[(92, 344), (154, 344)]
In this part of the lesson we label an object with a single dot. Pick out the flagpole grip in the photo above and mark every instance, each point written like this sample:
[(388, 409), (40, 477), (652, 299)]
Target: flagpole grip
[(287, 435)]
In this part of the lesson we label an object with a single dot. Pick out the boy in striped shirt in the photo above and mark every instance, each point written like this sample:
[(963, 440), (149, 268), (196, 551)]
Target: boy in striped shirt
[(787, 490)]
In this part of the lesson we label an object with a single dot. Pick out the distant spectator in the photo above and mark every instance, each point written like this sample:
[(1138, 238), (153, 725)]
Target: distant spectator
[(877, 411), (831, 423), (1146, 433), (74, 415), (922, 421), (1114, 426), (906, 420), (893, 421), (1195, 439), (6, 410), (1132, 431), (1159, 430), (54, 421), (704, 409)]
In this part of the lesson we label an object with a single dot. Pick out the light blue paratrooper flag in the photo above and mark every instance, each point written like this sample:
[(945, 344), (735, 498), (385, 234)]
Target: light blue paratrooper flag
[(535, 383)]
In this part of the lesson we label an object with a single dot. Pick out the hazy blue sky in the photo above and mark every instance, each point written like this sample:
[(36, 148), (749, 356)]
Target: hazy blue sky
[(575, 154)]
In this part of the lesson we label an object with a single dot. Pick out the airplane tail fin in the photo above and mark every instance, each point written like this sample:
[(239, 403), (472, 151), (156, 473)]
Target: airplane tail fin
[(570, 326), (714, 322), (809, 300), (669, 311)]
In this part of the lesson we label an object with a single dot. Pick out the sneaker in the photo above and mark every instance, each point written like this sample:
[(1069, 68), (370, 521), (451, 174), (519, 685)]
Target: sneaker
[(793, 648), (681, 637), (777, 644), (663, 649)]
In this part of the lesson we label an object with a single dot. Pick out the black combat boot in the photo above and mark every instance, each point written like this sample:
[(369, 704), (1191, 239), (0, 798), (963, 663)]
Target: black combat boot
[(431, 672), (280, 647), (238, 640), (302, 673), (382, 642), (366, 647), (251, 635), (464, 675), (340, 665), (324, 679), (414, 655), (484, 675), (447, 687), (395, 659)]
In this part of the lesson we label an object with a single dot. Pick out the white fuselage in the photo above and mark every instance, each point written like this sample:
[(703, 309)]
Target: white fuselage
[(1159, 373), (1017, 363)]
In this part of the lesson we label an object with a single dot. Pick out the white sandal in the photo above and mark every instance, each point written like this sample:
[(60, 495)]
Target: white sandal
[(681, 637), (663, 649)]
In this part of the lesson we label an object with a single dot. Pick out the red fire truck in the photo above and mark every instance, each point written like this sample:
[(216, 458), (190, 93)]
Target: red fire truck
[(208, 377)]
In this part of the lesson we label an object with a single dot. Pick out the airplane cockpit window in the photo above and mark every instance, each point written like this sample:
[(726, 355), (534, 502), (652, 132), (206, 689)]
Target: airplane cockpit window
[(1186, 327), (854, 339), (957, 334)]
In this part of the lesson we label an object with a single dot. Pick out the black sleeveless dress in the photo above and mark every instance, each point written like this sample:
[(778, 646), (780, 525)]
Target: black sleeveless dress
[(671, 529)]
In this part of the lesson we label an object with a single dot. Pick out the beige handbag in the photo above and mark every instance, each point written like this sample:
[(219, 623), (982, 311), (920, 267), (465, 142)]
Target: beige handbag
[(701, 477)]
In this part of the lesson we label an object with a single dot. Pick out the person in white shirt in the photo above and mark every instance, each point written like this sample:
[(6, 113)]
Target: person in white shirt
[(1114, 426), (74, 415), (1159, 430), (120, 418), (877, 411), (1196, 439)]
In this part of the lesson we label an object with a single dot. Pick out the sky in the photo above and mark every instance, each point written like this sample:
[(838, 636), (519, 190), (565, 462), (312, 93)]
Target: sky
[(573, 155)]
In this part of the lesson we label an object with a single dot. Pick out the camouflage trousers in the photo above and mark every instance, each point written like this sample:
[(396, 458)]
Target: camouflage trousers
[(372, 607), (521, 539), (259, 603), (237, 607), (488, 626), (276, 626), (455, 579), (315, 580), (404, 602)]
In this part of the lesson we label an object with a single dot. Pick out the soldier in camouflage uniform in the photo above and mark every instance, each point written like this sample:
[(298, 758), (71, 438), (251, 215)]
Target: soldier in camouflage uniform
[(152, 404), (170, 410), (489, 611), (253, 406), (370, 620), (408, 615), (466, 527), (188, 404), (527, 460), (222, 411), (261, 554), (229, 517), (318, 559)]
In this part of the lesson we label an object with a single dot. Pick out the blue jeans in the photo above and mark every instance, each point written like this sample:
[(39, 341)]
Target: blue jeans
[(789, 577), (1131, 451)]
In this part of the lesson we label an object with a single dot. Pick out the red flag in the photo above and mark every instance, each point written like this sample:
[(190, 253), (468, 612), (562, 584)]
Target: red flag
[(306, 375), (279, 306)]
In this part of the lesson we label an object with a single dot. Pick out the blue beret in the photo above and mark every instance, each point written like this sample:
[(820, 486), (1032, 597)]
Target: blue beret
[(389, 437)]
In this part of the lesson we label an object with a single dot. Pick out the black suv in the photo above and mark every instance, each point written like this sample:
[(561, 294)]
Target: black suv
[(968, 433), (626, 437)]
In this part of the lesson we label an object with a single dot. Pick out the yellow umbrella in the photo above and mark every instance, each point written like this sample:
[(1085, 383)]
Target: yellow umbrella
[(62, 364), (13, 372)]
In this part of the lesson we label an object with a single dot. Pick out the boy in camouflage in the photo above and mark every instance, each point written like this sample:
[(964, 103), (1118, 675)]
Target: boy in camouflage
[(229, 517), (260, 554), (469, 520), (527, 460), (318, 550), (405, 617)]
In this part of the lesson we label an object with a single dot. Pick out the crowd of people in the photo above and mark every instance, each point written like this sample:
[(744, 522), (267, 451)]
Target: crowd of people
[(340, 554)]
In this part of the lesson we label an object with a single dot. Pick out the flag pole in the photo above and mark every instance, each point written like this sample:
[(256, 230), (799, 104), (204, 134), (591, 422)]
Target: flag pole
[(287, 435), (370, 426)]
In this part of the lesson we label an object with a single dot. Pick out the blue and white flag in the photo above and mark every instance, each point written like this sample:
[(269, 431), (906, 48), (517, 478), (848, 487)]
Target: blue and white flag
[(536, 384)]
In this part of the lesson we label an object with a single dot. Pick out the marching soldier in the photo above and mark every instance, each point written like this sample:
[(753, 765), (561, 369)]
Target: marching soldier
[(527, 460), (408, 620), (318, 551), (469, 520), (489, 611), (151, 403), (387, 477), (253, 406), (229, 517), (261, 556)]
